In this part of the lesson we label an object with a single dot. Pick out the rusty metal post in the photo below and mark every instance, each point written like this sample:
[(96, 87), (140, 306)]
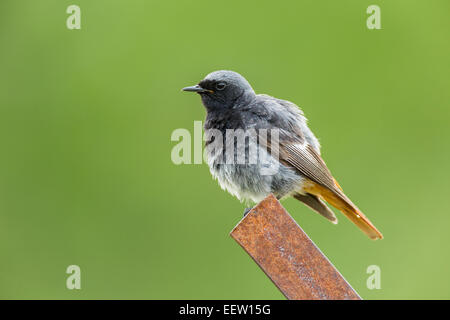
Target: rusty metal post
[(288, 257)]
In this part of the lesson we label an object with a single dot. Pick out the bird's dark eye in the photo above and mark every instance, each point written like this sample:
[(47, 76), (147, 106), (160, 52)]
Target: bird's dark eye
[(221, 85)]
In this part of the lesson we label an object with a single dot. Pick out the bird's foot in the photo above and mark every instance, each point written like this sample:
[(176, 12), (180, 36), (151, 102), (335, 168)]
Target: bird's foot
[(247, 210)]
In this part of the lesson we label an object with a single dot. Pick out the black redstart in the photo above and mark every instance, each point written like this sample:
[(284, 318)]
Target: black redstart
[(233, 106)]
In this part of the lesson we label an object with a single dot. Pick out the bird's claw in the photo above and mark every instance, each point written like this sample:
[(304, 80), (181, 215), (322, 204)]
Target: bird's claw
[(247, 210)]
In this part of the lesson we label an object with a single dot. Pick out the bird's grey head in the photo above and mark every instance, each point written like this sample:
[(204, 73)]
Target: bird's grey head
[(223, 90)]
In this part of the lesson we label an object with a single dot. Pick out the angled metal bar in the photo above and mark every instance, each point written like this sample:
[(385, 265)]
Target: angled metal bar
[(288, 256)]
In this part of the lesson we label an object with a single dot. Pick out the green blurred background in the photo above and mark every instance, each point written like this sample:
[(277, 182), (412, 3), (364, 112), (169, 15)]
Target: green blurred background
[(86, 117)]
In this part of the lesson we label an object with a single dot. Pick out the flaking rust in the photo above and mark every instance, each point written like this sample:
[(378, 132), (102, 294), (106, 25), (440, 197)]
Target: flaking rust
[(288, 257)]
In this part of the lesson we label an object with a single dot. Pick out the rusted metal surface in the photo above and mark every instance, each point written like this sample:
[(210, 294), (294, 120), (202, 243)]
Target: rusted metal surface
[(288, 257)]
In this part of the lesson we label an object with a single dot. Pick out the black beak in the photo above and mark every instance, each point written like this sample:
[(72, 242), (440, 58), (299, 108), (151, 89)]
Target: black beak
[(196, 88)]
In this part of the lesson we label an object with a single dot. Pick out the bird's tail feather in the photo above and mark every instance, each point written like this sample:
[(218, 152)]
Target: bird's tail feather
[(341, 202), (317, 205)]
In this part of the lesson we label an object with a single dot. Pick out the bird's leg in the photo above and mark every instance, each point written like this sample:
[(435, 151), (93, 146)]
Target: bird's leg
[(247, 210)]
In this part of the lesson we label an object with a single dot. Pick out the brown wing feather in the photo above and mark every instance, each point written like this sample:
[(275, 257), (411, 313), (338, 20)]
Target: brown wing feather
[(305, 159)]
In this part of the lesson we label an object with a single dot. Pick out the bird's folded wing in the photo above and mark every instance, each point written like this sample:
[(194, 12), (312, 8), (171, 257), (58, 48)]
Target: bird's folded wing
[(308, 162)]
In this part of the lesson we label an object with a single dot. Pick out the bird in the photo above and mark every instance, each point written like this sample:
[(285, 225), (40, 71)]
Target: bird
[(300, 172)]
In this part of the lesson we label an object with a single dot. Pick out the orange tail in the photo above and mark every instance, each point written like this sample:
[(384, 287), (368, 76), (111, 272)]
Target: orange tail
[(343, 204)]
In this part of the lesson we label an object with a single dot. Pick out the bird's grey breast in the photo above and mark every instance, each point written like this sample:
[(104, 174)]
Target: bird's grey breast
[(243, 166)]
